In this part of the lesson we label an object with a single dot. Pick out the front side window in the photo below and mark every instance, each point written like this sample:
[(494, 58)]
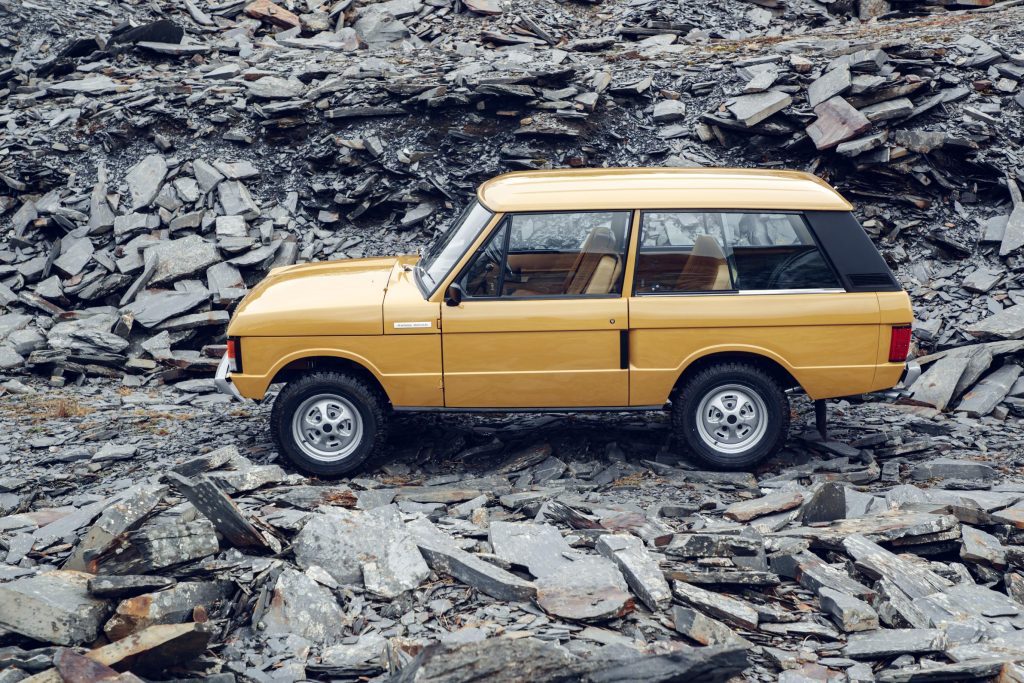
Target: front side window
[(715, 251), (551, 254), (440, 257)]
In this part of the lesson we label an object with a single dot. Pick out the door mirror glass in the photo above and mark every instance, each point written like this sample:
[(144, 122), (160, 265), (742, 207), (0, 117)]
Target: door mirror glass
[(453, 296)]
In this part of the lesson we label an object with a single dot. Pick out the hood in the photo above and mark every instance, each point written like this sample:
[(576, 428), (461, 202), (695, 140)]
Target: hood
[(316, 299)]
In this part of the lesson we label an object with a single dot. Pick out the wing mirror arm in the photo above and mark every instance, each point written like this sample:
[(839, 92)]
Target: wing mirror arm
[(454, 294)]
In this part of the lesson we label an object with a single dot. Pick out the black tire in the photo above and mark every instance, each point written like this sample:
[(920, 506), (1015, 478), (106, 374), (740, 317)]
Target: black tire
[(724, 378), (363, 397)]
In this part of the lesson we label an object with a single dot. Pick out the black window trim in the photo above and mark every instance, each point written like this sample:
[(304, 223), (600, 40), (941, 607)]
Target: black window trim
[(507, 216), (426, 294), (739, 292)]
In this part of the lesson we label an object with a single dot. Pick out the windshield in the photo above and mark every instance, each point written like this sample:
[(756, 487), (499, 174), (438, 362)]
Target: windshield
[(441, 256)]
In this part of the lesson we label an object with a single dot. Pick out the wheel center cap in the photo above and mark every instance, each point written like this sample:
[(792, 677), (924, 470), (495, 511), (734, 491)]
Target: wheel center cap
[(327, 428)]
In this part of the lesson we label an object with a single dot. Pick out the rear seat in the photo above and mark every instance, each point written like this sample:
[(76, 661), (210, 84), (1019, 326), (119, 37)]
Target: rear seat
[(706, 268)]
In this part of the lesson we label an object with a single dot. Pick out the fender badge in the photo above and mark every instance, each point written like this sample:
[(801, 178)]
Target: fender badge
[(413, 325)]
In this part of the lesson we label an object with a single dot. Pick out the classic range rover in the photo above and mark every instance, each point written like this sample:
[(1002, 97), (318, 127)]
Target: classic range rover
[(708, 292)]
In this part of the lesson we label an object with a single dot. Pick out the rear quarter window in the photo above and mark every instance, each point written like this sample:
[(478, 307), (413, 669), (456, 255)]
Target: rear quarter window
[(709, 251)]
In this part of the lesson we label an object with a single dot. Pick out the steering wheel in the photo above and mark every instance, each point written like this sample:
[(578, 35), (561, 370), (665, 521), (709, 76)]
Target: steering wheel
[(798, 262)]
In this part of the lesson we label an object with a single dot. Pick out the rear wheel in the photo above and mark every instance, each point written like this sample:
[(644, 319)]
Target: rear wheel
[(731, 415), (328, 423)]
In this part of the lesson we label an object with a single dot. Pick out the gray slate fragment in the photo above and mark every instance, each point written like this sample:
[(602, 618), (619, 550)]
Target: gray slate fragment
[(723, 607), (182, 257), (936, 386), (753, 109), (704, 629), (849, 613), (52, 607), (298, 604), (1006, 324), (950, 468), (989, 392), (891, 642), (144, 180), (443, 556), (152, 308), (831, 83), (372, 548), (640, 568)]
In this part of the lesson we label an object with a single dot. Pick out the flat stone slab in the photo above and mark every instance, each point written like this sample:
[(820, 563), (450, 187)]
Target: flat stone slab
[(950, 468), (171, 606), (1007, 324), (298, 604), (442, 555), (371, 548), (990, 391), (892, 642), (723, 607), (704, 629), (938, 383), (640, 568), (849, 613), (53, 607), (837, 122), (746, 510), (753, 109)]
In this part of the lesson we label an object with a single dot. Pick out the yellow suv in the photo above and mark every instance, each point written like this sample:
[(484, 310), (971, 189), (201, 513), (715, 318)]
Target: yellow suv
[(709, 292)]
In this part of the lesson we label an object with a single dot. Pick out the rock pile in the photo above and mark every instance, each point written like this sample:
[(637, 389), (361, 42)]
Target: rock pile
[(158, 167), (896, 554)]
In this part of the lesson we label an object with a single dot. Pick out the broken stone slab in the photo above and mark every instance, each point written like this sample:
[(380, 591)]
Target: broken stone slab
[(831, 83), (216, 506), (173, 605), (272, 13), (704, 629), (443, 556), (640, 568), (811, 572), (937, 385), (298, 604), (1007, 324), (127, 586), (52, 607), (849, 613), (989, 392), (1013, 233), (152, 307), (729, 609), (965, 671), (372, 548), (837, 122), (588, 588), (888, 110), (746, 510), (981, 546), (159, 546), (883, 527), (876, 562), (950, 468), (667, 111), (702, 544), (755, 108), (236, 200), (182, 257), (895, 641), (151, 650), (123, 513), (144, 180)]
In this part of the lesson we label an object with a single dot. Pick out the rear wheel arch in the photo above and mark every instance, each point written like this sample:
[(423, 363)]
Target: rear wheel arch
[(772, 366)]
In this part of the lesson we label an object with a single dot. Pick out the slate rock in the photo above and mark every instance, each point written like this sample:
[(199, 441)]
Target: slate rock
[(52, 607)]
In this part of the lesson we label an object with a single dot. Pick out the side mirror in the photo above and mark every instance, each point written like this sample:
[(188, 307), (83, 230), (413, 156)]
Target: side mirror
[(453, 296)]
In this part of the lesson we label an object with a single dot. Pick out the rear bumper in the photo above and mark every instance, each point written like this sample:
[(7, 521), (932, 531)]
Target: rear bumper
[(222, 380), (911, 371)]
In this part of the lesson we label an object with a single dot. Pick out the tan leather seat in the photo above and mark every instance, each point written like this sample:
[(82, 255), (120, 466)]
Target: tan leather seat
[(597, 265), (706, 268)]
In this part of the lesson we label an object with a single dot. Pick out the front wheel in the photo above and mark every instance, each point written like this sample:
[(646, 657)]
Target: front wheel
[(328, 423), (731, 415)]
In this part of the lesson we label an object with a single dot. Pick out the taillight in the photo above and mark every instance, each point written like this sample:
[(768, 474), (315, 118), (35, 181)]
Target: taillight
[(233, 353), (899, 343)]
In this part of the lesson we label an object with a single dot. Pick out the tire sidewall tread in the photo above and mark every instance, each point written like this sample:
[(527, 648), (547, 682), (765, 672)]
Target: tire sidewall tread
[(684, 413), (366, 399)]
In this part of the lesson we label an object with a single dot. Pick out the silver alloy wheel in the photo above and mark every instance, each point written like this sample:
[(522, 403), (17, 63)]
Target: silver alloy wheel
[(327, 427), (732, 418)]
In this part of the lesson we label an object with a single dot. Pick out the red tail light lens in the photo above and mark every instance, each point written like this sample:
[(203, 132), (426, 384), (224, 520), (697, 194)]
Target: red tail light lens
[(899, 343), (232, 354)]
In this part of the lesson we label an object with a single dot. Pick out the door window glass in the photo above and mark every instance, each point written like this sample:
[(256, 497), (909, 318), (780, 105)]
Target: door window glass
[(687, 251), (552, 254)]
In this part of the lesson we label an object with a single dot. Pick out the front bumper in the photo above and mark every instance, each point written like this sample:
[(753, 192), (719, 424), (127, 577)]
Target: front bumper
[(223, 382)]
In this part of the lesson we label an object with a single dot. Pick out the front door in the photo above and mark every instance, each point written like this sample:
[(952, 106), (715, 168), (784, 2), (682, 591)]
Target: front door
[(543, 321)]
